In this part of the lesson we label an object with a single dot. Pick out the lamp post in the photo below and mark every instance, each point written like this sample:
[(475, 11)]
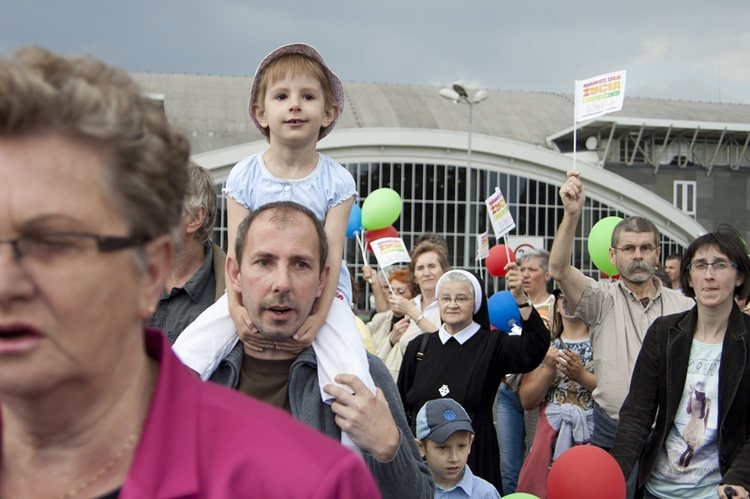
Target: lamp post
[(457, 93)]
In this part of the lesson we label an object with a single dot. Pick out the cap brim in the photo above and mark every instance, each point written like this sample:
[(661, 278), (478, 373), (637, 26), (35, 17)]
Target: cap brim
[(444, 432)]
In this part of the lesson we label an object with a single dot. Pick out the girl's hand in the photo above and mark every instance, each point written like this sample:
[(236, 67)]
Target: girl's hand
[(570, 364), (307, 332), (302, 339), (242, 321), (552, 358), (398, 330)]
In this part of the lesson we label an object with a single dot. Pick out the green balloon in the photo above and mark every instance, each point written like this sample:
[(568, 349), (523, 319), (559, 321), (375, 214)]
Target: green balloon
[(381, 208), (520, 495), (600, 239)]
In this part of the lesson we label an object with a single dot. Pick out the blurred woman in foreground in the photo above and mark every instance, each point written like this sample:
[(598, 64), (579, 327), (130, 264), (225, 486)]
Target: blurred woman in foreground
[(92, 180)]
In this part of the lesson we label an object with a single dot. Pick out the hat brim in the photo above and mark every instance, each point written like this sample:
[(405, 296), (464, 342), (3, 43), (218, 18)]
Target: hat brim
[(444, 431), (337, 88)]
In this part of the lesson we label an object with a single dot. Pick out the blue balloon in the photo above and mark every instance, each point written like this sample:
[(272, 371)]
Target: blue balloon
[(504, 312), (355, 221)]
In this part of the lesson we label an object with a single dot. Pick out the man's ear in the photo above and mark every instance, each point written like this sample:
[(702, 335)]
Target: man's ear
[(158, 264), (322, 281), (612, 258), (196, 222), (233, 272)]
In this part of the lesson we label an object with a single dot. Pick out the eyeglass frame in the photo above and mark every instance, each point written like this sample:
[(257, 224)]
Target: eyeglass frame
[(691, 267), (104, 244), (629, 249), (459, 300)]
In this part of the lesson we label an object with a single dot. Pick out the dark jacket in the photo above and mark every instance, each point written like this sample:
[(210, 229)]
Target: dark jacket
[(656, 388), (405, 476)]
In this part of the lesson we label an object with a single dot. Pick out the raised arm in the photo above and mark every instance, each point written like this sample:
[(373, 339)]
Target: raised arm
[(571, 281), (373, 279), (523, 353)]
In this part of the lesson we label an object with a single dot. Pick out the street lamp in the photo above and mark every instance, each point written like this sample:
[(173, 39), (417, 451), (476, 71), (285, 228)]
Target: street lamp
[(457, 93)]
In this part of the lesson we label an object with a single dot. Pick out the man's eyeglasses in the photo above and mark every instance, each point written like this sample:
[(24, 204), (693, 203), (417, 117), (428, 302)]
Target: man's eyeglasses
[(715, 266), (49, 246), (630, 249)]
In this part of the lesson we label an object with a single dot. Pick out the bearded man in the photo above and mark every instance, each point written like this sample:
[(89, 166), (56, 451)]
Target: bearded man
[(617, 313)]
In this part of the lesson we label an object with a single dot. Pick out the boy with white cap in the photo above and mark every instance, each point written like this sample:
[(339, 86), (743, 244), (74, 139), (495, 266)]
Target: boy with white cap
[(444, 437)]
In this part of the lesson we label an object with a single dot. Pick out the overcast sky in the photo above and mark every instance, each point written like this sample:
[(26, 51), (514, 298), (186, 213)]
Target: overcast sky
[(688, 49)]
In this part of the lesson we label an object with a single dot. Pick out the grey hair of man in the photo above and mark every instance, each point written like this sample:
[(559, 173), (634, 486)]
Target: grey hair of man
[(638, 225), (84, 100), (541, 255), (201, 193), (282, 213)]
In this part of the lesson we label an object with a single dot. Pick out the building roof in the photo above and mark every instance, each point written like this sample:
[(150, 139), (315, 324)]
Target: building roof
[(212, 110)]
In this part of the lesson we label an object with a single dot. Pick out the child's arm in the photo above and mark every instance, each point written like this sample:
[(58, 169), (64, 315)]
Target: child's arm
[(534, 385), (337, 219)]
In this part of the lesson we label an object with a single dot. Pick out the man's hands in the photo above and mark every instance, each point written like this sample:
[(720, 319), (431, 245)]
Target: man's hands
[(573, 194), (364, 417)]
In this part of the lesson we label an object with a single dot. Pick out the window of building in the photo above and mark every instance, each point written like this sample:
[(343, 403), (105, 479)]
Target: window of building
[(684, 196)]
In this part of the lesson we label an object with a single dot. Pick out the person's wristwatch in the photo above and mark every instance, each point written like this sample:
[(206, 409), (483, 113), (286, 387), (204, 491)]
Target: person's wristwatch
[(525, 304)]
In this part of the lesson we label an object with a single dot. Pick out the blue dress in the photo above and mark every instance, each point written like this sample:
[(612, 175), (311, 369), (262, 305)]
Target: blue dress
[(252, 185)]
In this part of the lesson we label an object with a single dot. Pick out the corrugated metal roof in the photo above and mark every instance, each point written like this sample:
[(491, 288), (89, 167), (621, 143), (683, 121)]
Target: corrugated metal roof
[(212, 110)]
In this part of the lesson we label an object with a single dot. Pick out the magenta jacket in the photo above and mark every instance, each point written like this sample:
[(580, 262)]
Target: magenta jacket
[(204, 440)]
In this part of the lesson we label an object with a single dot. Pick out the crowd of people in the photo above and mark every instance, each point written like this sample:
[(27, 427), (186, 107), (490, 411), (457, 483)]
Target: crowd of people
[(137, 359)]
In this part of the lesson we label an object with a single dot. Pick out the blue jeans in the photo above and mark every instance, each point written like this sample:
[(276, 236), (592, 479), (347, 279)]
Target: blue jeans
[(511, 437)]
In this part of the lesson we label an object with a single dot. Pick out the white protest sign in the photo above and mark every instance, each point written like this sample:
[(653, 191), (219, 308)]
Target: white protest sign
[(499, 213), (483, 246), (599, 95), (390, 250)]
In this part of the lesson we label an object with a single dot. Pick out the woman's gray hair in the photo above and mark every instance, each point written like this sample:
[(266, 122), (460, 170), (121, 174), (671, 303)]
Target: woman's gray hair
[(83, 99), (540, 254)]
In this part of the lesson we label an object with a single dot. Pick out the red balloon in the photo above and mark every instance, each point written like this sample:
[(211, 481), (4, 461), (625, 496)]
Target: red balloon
[(374, 235), (498, 259), (585, 472)]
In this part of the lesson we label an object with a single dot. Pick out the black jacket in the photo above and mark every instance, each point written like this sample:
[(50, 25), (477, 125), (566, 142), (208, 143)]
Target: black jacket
[(656, 388)]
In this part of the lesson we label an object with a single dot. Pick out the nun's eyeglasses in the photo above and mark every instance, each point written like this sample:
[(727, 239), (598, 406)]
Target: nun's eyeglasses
[(460, 299)]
